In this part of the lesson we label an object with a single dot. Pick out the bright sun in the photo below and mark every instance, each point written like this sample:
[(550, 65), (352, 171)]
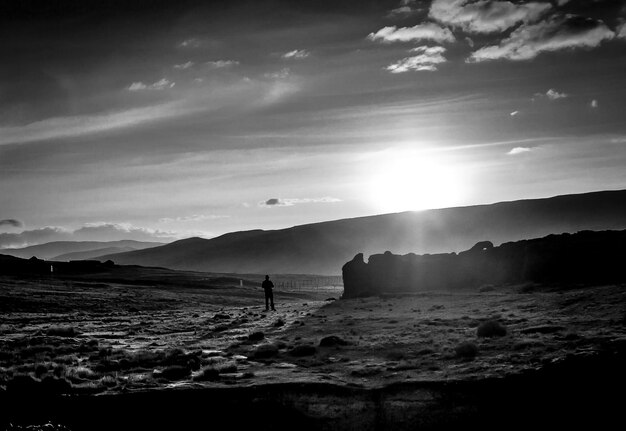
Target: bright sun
[(405, 181)]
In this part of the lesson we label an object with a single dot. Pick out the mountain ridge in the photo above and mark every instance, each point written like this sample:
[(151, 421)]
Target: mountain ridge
[(322, 248), (55, 249)]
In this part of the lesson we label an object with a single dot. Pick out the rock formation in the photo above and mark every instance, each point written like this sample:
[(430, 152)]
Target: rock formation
[(583, 257)]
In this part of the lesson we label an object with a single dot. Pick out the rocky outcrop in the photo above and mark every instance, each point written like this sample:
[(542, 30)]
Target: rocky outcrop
[(583, 257)]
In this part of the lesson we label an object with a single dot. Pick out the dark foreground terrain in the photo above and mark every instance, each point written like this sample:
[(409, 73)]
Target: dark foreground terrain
[(91, 353)]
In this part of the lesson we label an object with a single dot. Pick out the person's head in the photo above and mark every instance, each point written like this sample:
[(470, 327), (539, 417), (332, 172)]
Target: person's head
[(267, 277)]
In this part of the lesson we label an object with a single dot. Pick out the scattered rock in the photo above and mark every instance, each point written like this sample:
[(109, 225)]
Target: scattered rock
[(280, 322), (330, 299), (256, 336), (303, 350), (486, 288), (491, 328), (280, 344), (466, 350), (265, 351), (221, 316), (332, 341)]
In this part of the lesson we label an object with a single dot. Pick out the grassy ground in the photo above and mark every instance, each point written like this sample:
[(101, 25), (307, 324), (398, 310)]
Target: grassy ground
[(95, 336)]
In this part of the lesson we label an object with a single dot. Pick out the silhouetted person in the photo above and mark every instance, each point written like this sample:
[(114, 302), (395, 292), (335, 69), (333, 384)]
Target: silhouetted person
[(269, 294)]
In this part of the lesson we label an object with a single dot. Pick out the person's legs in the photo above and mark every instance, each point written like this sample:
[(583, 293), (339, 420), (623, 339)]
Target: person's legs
[(272, 299), (267, 299)]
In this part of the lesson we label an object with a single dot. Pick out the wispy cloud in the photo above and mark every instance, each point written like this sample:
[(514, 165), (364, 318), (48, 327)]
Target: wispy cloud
[(551, 94), (405, 8), (280, 74), (528, 41), (184, 66), (192, 218), (425, 31), (519, 150), (594, 104), (427, 60), (295, 201), (60, 127), (190, 43), (221, 64), (486, 16), (296, 54), (621, 31), (11, 222), (161, 84), (514, 113)]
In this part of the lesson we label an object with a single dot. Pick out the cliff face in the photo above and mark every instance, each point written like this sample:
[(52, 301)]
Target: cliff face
[(583, 257)]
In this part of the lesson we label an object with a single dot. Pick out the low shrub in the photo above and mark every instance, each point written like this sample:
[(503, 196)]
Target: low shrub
[(332, 341), (174, 372), (491, 328), (466, 350)]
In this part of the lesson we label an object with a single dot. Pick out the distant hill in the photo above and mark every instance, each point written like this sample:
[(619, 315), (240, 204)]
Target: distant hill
[(322, 248), (57, 250), (91, 254)]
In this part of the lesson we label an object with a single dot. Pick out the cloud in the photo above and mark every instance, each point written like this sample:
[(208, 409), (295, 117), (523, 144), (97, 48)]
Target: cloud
[(161, 84), (273, 202), (281, 74), (295, 201), (514, 113), (296, 53), (60, 127), (554, 95), (89, 232), (184, 66), (405, 8), (551, 94), (519, 150), (32, 237), (426, 31), (427, 60), (11, 222), (190, 43), (486, 16), (192, 218), (221, 64), (621, 31), (558, 33), (594, 104)]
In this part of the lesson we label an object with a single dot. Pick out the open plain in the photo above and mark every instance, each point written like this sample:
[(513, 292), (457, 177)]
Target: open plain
[(92, 341)]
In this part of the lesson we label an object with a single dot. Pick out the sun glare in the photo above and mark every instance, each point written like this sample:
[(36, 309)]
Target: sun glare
[(405, 181)]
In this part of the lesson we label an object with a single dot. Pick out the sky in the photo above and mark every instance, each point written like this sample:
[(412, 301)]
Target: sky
[(160, 120)]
